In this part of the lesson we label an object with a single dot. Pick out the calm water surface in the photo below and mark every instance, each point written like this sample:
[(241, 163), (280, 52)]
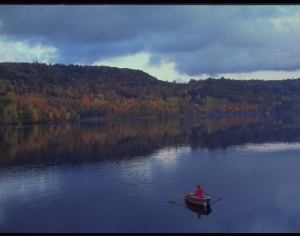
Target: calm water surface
[(119, 176)]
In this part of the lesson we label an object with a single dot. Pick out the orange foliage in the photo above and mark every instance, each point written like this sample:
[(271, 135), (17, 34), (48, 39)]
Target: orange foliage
[(42, 103), (85, 101)]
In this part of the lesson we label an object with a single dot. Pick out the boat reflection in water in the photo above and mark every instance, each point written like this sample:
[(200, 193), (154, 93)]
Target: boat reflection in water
[(199, 209)]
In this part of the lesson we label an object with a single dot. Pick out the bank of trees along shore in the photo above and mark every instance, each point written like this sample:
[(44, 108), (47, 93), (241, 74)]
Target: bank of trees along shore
[(40, 93)]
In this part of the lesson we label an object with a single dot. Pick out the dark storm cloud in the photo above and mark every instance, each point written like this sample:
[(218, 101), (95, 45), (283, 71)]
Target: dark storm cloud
[(198, 39)]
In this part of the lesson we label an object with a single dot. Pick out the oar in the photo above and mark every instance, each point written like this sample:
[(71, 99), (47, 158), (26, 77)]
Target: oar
[(214, 201), (212, 196), (173, 200)]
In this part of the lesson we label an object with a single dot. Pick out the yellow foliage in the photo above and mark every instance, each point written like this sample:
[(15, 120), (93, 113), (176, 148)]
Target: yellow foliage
[(34, 114), (50, 115), (98, 102), (68, 116)]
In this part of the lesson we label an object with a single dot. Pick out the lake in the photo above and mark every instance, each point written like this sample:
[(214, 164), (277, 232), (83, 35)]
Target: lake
[(120, 175)]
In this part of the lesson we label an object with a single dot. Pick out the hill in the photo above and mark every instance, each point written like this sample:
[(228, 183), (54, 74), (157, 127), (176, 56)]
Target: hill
[(39, 93)]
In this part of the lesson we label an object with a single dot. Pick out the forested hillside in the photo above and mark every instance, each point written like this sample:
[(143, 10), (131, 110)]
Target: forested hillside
[(37, 93)]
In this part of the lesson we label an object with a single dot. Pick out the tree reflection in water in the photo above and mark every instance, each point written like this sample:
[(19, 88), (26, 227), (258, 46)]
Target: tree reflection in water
[(98, 140)]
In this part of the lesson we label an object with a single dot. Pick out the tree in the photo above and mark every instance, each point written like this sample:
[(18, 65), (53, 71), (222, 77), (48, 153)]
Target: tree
[(5, 117)]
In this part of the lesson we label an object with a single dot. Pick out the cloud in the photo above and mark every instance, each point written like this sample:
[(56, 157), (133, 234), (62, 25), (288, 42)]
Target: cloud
[(18, 51), (141, 61), (193, 40)]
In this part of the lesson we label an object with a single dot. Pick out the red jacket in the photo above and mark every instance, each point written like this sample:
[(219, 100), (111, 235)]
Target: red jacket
[(199, 192)]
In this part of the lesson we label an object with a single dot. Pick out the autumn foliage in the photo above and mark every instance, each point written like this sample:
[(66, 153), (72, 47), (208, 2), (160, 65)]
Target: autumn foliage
[(41, 93)]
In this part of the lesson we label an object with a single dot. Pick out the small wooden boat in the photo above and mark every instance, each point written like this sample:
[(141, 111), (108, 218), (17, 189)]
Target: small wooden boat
[(196, 200), (199, 209)]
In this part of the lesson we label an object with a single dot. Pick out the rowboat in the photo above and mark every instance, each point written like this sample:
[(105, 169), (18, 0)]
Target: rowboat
[(199, 209), (196, 200)]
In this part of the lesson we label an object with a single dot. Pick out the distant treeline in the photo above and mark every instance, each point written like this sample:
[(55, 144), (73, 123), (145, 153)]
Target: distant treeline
[(41, 93)]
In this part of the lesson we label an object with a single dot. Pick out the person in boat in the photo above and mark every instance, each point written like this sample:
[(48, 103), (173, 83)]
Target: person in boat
[(199, 192)]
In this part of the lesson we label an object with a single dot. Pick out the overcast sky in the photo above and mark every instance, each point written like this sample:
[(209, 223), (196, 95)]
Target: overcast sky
[(180, 42)]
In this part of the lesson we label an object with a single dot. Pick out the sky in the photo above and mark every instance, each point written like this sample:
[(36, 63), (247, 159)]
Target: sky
[(169, 42)]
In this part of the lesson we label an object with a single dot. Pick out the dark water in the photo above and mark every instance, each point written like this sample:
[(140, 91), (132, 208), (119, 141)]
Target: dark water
[(118, 176)]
